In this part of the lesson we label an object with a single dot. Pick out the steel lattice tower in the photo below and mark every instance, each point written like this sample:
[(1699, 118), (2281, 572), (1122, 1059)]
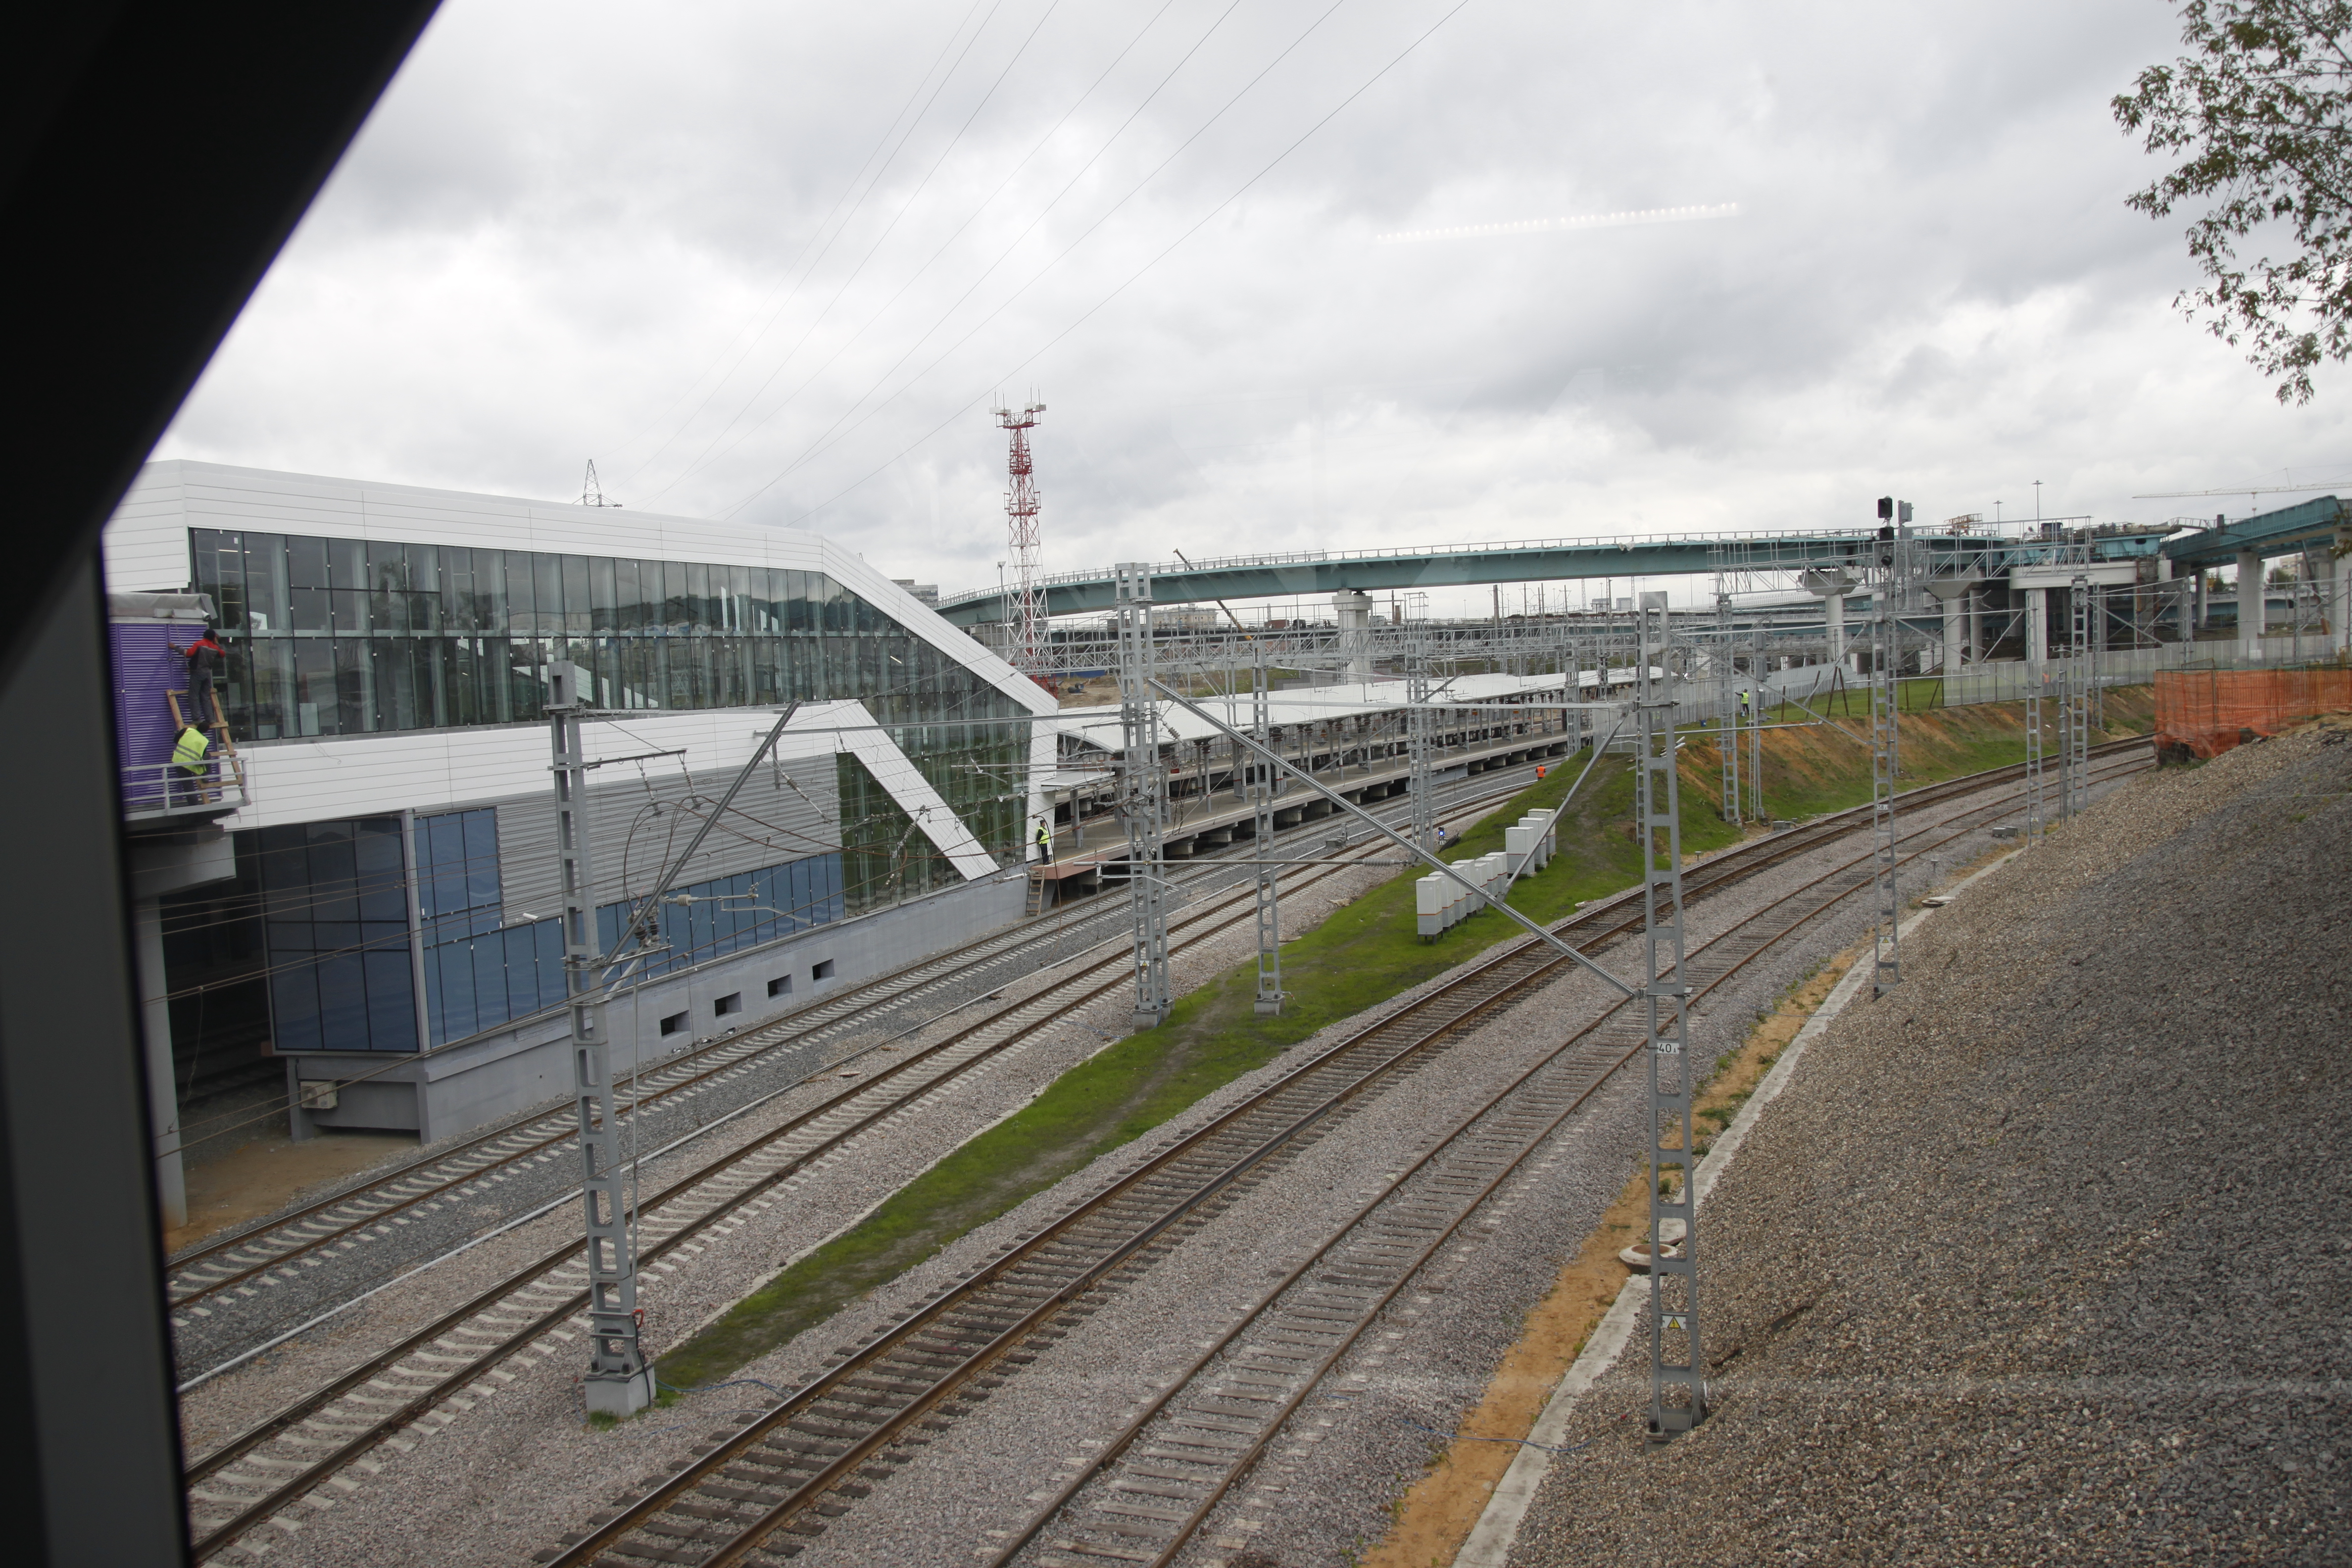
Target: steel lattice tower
[(1269, 906), (1420, 736), (2075, 722), (1677, 1369), (1145, 792), (1726, 722), (1023, 552), (618, 1382), (1885, 766)]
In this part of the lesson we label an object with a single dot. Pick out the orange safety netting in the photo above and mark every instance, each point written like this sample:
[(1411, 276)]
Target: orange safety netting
[(2203, 712)]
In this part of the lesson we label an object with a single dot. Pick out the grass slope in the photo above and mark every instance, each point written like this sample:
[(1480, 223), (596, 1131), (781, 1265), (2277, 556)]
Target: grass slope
[(1361, 955)]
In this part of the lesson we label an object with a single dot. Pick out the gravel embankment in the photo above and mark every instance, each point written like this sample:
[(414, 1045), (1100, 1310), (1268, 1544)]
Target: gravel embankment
[(2042, 1258), (1326, 1486)]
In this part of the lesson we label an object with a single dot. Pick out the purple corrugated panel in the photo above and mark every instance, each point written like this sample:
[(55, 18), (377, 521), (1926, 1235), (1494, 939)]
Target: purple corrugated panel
[(145, 667)]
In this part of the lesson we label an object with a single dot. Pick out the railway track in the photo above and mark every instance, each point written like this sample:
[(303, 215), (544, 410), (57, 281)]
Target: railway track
[(755, 1491), (272, 1251), (258, 1473)]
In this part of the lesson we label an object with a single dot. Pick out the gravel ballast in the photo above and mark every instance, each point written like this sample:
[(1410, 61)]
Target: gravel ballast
[(2041, 1257)]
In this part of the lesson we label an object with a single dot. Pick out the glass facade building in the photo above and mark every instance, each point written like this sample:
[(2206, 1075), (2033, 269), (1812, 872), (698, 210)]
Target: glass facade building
[(336, 637)]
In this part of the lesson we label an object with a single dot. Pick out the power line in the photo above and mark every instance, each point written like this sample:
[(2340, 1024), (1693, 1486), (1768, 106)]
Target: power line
[(1042, 213), (1001, 379), (859, 270), (752, 341), (816, 447)]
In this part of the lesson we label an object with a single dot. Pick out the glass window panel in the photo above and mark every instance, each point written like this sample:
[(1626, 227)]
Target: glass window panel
[(346, 612), (294, 1006), (629, 605), (547, 585), (306, 562), (578, 614), (354, 686), (342, 1001), (684, 656), (424, 588), (387, 588), (521, 970), (482, 856), (604, 595), (346, 564), (739, 597), (548, 952), (698, 605), (797, 617), (314, 687), (391, 996), (521, 602), (265, 583), (492, 1003), (379, 874)]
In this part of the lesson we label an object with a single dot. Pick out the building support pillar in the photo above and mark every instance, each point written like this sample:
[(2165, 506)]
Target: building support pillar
[(163, 1082), (2250, 606)]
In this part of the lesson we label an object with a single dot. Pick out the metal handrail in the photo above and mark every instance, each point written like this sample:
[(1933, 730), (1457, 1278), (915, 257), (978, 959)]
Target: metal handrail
[(152, 789)]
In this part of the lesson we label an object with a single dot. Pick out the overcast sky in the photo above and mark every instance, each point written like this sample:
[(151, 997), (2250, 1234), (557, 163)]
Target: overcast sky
[(772, 262)]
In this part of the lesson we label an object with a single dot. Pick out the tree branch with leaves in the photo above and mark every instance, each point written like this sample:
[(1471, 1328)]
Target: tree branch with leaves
[(2261, 108)]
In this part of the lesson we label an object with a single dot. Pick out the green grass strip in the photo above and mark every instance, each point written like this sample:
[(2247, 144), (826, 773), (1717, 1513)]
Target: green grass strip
[(1360, 956)]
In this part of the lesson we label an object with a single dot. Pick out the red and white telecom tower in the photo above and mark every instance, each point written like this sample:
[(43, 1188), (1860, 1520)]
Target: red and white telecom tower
[(1021, 551)]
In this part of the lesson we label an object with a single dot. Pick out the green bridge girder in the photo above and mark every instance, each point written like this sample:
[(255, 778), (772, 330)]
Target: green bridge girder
[(1279, 576)]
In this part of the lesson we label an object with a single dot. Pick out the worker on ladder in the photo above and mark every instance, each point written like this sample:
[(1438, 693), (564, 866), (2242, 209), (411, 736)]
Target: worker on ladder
[(1045, 842), (205, 657), (188, 757)]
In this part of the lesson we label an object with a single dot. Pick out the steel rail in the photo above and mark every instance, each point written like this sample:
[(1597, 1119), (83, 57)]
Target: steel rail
[(479, 1358), (912, 1384), (446, 1174), (1784, 919)]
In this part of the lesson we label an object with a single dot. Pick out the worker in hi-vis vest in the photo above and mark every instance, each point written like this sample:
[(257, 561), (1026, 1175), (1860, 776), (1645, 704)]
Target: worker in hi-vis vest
[(188, 757), (1045, 843)]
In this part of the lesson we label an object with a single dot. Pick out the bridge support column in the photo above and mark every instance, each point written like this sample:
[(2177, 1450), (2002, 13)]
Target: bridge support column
[(1957, 596), (1831, 588), (2250, 606), (1354, 608)]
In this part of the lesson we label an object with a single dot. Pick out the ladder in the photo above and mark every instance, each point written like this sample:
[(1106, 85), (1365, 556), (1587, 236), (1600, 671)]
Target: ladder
[(1037, 891)]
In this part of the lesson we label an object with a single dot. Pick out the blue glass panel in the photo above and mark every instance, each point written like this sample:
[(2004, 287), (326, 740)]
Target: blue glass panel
[(342, 1002), (491, 1004), (294, 1009), (390, 999), (549, 935), (482, 858), (522, 971)]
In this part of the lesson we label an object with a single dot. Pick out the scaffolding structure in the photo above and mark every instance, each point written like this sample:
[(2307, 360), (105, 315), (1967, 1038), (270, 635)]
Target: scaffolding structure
[(618, 1382), (1678, 1371), (1144, 802)]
